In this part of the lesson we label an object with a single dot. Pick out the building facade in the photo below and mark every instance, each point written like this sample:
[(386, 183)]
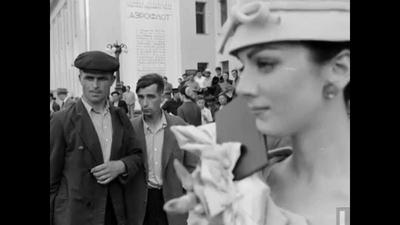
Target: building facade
[(164, 36)]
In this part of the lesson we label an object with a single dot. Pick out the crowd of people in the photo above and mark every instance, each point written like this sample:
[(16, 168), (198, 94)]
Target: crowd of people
[(210, 93)]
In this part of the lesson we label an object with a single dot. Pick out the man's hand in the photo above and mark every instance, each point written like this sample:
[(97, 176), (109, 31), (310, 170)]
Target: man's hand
[(108, 171)]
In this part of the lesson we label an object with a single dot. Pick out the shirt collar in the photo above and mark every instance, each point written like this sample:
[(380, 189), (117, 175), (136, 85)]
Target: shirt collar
[(163, 123), (89, 108)]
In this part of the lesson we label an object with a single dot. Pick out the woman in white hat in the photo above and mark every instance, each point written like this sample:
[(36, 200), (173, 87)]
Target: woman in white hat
[(295, 78)]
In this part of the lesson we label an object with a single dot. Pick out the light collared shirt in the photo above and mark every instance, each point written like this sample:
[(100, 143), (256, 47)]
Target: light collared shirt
[(200, 81), (208, 81), (154, 145), (103, 126)]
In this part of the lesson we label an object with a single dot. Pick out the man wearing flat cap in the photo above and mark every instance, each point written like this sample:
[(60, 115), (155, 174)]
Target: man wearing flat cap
[(91, 153), (54, 107), (66, 101)]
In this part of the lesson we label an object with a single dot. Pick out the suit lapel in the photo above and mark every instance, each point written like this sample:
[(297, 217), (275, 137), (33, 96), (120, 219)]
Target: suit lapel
[(87, 132), (117, 133), (167, 144), (142, 139)]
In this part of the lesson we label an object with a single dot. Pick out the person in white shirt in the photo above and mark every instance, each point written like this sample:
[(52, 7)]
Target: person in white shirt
[(206, 116), (200, 79), (207, 78)]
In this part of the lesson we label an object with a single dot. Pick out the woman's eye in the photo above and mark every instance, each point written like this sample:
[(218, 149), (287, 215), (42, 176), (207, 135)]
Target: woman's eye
[(265, 66)]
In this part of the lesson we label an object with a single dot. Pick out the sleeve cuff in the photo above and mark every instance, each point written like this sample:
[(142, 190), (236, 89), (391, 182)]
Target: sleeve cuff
[(125, 173)]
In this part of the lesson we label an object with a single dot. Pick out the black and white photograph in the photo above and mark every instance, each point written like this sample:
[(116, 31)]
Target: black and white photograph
[(199, 112)]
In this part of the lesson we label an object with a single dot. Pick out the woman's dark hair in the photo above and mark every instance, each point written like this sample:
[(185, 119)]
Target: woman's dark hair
[(150, 79), (323, 51), (183, 92), (200, 97), (215, 81)]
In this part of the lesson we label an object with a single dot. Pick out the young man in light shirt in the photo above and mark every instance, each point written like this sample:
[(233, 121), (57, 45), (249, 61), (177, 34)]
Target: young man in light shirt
[(158, 182), (200, 79), (206, 116)]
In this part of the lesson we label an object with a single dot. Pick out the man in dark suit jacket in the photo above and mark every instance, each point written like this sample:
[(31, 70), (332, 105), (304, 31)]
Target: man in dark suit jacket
[(54, 107), (118, 102), (66, 101), (189, 111), (92, 153), (157, 182), (172, 104)]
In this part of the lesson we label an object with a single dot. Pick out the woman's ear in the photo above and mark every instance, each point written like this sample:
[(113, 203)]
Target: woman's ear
[(339, 72)]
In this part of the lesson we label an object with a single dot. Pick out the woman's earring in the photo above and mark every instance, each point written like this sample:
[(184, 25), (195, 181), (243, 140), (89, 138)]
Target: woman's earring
[(330, 91)]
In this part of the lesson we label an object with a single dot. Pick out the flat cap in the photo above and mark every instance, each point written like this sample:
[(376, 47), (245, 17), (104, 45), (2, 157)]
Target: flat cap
[(96, 62), (62, 91)]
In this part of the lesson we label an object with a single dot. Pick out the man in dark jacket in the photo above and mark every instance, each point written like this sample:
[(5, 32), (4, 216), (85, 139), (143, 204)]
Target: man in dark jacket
[(171, 104), (66, 101), (54, 107), (157, 181), (189, 111), (118, 102), (92, 153)]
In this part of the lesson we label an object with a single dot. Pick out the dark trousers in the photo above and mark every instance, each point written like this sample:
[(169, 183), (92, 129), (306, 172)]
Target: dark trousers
[(110, 218), (155, 214)]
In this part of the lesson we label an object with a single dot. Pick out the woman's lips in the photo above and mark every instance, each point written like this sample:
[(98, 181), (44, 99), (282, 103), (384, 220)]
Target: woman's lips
[(257, 110)]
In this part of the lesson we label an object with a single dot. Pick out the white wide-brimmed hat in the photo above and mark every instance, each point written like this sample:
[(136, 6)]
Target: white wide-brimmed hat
[(260, 21)]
